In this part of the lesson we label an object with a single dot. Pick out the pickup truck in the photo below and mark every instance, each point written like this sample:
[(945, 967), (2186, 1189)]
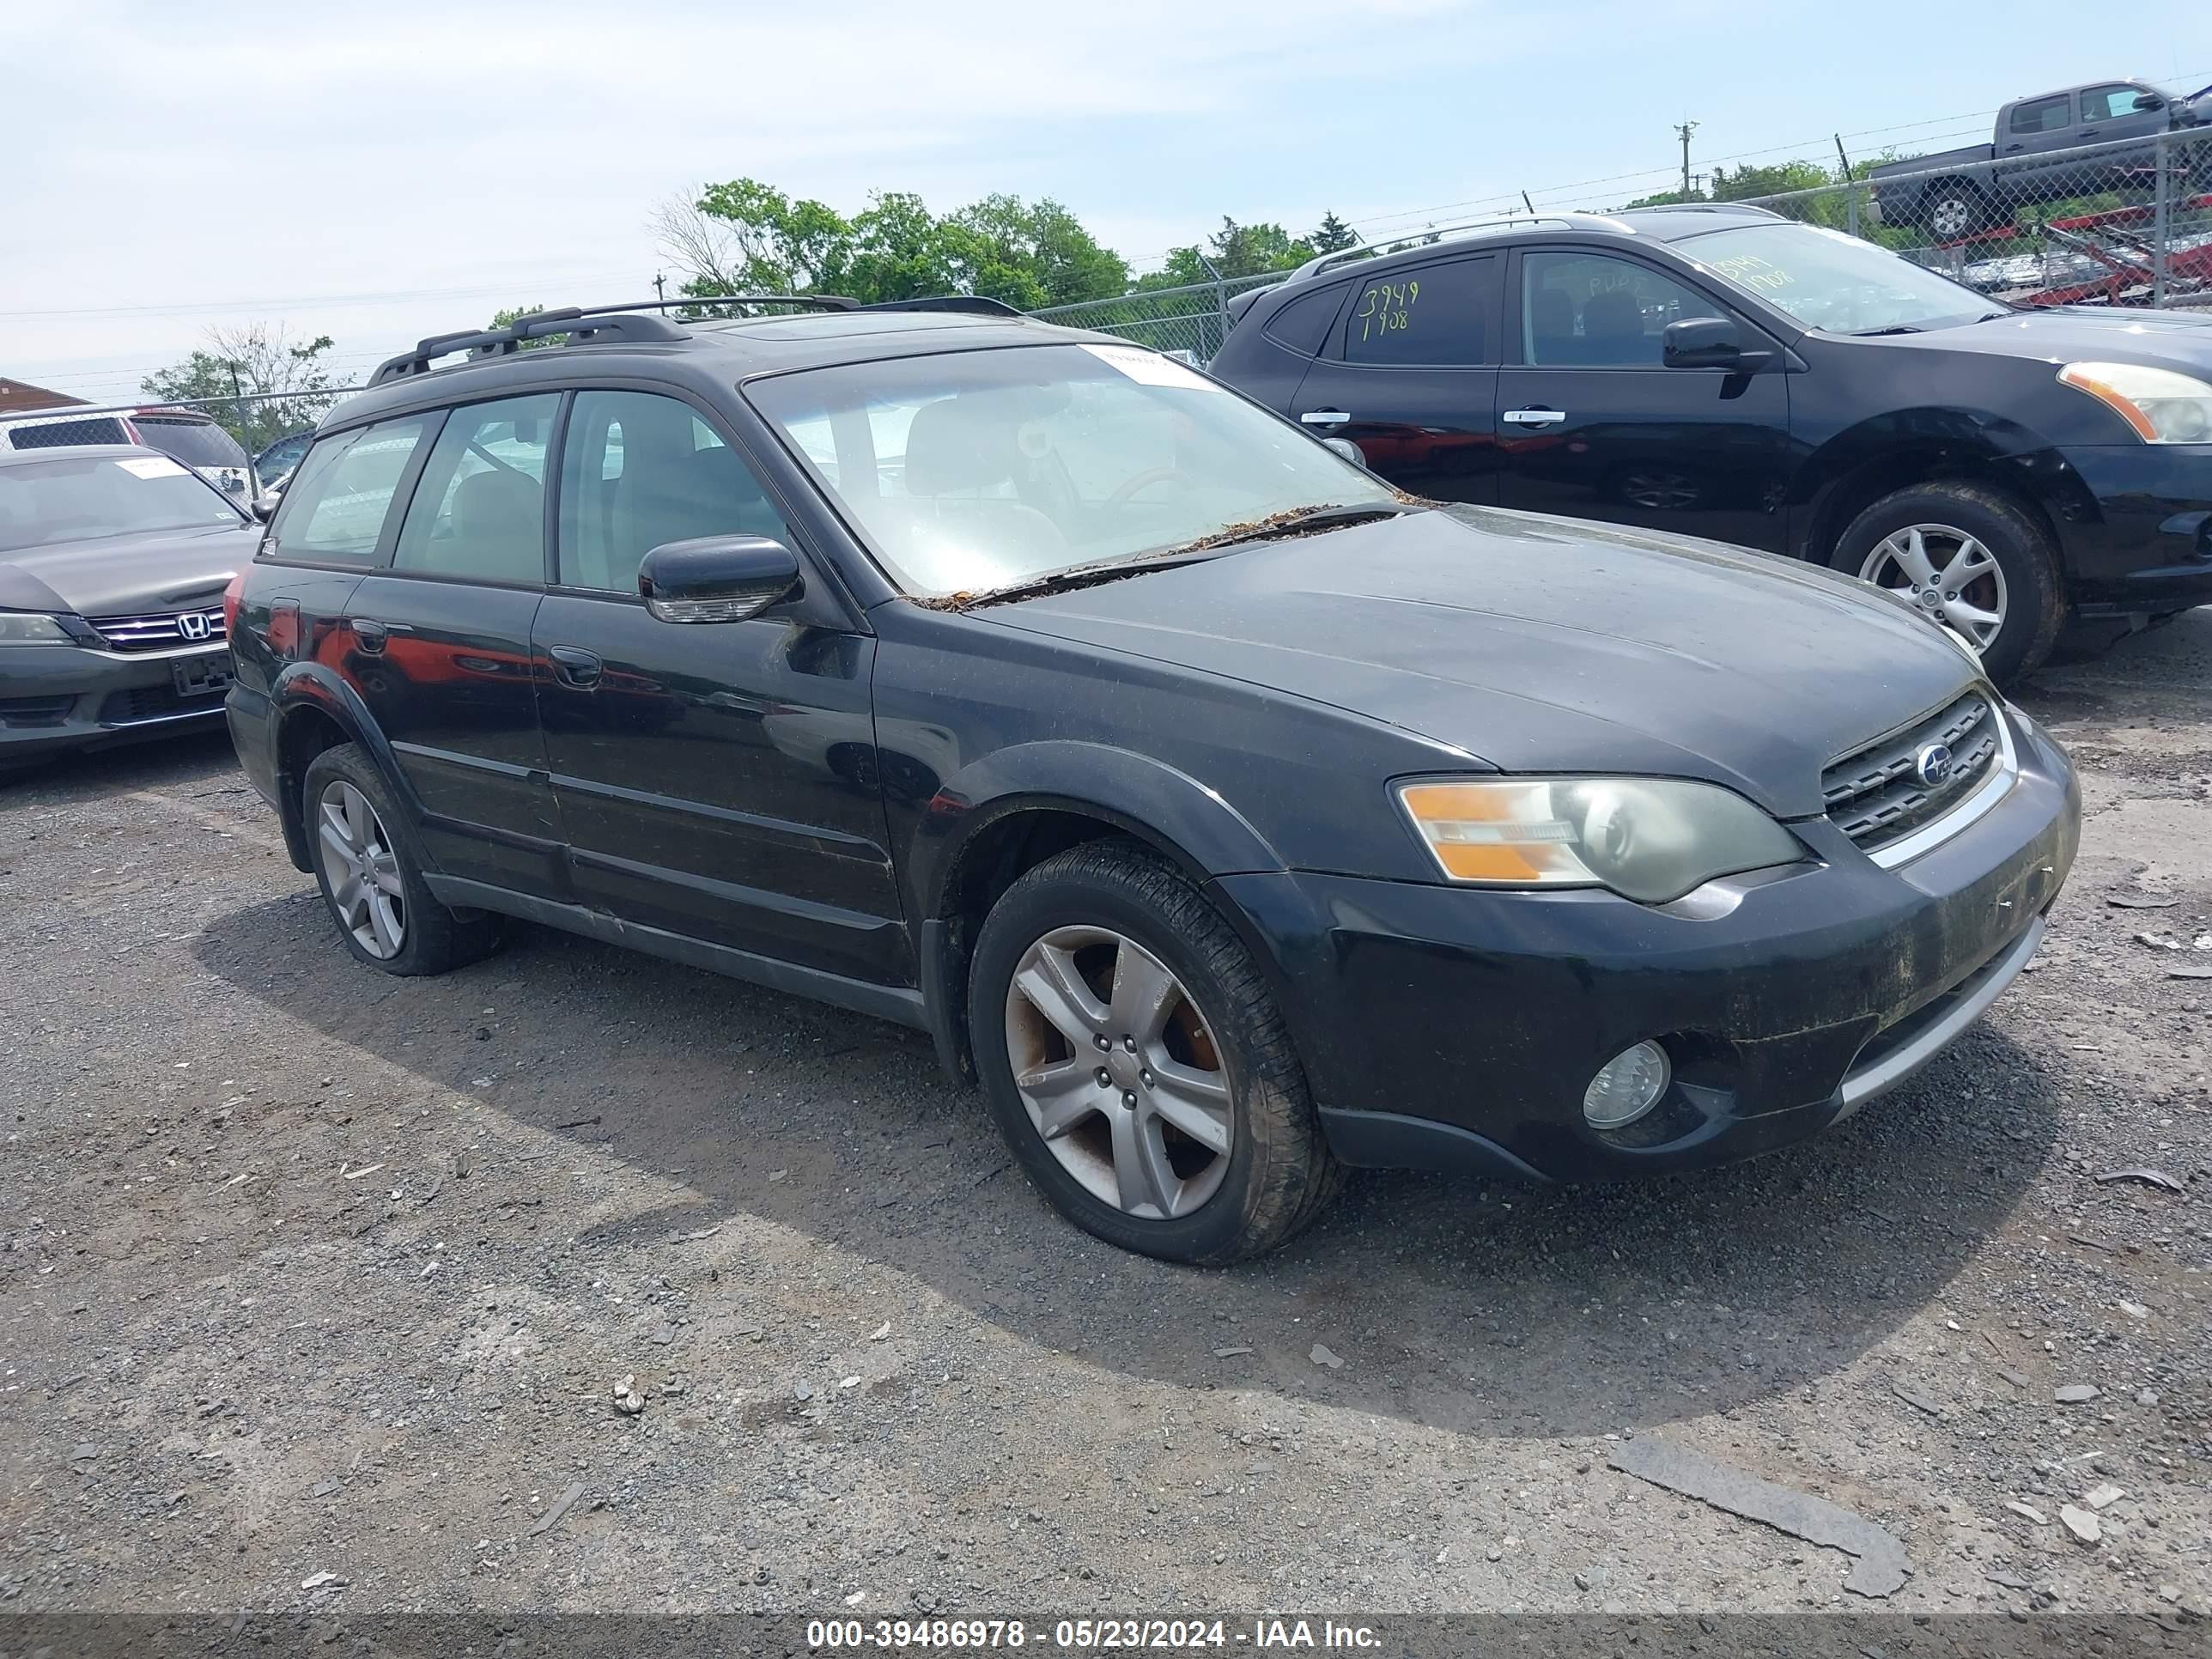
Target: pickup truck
[(2033, 156)]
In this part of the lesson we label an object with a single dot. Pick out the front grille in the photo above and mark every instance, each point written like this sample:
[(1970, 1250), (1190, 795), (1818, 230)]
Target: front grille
[(17, 713), (154, 702), (53, 434), (157, 633), (1876, 795)]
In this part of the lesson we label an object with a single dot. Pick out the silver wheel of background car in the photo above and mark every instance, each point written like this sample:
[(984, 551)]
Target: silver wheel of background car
[(1120, 1073), (1946, 573), (362, 869)]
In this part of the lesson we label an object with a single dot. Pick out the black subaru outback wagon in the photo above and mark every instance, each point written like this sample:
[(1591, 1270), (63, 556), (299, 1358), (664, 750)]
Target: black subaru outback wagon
[(1231, 815)]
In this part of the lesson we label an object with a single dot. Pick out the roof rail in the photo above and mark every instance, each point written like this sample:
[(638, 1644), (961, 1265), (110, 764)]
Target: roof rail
[(1750, 209), (1471, 227), (635, 322)]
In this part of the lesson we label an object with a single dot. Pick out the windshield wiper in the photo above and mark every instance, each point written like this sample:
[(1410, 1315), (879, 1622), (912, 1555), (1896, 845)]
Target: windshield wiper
[(1298, 521), (1893, 328)]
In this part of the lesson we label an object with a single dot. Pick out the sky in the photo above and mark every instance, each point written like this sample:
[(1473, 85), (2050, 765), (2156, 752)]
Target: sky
[(380, 173)]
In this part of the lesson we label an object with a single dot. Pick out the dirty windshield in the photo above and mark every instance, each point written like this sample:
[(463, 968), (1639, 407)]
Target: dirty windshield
[(976, 471)]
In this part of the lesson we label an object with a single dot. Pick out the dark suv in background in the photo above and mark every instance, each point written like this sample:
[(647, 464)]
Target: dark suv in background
[(1724, 371), (1229, 816)]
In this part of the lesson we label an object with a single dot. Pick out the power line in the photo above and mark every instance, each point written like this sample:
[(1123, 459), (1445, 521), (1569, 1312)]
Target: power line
[(309, 302)]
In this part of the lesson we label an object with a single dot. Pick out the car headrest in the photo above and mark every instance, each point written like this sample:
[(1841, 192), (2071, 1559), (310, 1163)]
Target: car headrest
[(963, 442)]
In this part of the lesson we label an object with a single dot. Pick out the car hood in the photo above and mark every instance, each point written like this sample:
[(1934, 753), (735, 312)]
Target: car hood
[(1534, 644), (124, 576), (2106, 333)]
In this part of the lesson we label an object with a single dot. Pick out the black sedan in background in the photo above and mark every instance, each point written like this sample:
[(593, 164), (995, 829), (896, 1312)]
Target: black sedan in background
[(1230, 817), (1719, 371), (112, 563)]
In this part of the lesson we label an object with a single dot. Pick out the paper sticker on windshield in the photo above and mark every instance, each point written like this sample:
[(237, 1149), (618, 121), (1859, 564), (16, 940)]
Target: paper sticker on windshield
[(150, 466), (1150, 369)]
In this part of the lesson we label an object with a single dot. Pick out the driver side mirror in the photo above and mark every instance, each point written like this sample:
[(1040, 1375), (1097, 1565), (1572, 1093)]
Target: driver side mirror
[(711, 579), (1701, 342), (2147, 101), (264, 506), (1344, 447)]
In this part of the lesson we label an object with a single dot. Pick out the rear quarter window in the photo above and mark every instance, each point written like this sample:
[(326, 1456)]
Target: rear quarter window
[(1302, 324), (335, 508)]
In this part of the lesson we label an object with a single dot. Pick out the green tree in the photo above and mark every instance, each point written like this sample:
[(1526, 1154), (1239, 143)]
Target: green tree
[(747, 237), (244, 372), (1232, 252), (1331, 235)]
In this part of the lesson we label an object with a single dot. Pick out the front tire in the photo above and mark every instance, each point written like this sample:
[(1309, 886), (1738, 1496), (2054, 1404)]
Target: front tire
[(1969, 556), (370, 868), (1137, 1064)]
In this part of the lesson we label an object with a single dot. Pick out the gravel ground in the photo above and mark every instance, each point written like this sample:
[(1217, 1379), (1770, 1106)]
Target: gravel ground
[(307, 1272)]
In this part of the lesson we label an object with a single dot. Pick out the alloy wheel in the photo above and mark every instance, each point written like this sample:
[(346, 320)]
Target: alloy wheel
[(1120, 1073), (362, 869), (1953, 216), (1946, 573)]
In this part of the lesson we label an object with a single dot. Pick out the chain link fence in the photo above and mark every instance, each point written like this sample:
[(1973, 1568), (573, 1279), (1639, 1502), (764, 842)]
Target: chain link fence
[(2126, 223)]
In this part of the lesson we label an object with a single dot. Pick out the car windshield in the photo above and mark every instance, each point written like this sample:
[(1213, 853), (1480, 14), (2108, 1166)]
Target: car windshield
[(975, 470), (1835, 282), (75, 498)]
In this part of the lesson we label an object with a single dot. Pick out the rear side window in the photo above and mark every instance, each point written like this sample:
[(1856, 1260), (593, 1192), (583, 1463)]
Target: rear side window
[(640, 469), (2043, 115), (1430, 315), (53, 434), (1302, 324), (479, 512), (334, 509)]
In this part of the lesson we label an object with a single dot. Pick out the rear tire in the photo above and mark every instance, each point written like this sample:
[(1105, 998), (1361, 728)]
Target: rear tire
[(2026, 589), (370, 868), (1098, 906), (1956, 211)]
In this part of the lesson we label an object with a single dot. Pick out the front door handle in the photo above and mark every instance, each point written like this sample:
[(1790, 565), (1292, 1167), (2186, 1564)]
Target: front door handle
[(370, 635), (1325, 417), (574, 666), (1534, 417)]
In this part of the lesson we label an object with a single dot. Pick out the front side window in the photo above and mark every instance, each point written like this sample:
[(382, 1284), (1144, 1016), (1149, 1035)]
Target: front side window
[(1430, 315), (966, 471), (639, 469), (1829, 281), (77, 498), (2042, 115), (1592, 311), (2109, 103), (479, 512), (334, 509)]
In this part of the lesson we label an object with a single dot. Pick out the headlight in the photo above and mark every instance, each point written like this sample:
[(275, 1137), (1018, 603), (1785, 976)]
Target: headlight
[(27, 627), (2163, 406), (1648, 839)]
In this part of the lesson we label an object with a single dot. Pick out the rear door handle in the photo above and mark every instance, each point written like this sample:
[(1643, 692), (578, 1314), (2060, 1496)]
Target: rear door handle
[(575, 667), (1325, 417), (1534, 417)]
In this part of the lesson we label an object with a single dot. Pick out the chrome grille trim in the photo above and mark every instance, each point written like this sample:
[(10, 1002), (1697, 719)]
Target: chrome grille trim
[(153, 633)]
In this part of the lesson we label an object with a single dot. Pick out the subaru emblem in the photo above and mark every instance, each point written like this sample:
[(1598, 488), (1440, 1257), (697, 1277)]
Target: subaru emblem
[(1932, 764), (194, 625)]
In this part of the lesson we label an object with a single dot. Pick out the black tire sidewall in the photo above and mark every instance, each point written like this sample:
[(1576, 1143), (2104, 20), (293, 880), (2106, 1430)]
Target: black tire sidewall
[(425, 950), (1216, 1230), (2035, 602)]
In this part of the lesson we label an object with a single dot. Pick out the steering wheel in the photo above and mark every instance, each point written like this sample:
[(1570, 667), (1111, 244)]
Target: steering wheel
[(1145, 480)]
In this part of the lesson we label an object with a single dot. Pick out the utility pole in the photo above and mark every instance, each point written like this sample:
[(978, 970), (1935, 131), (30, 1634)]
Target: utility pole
[(1683, 132), (659, 286)]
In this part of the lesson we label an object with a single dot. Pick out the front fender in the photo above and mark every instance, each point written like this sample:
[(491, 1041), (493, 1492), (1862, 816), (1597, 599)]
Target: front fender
[(1188, 820)]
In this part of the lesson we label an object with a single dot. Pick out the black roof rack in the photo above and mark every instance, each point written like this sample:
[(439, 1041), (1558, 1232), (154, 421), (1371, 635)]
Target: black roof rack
[(637, 322)]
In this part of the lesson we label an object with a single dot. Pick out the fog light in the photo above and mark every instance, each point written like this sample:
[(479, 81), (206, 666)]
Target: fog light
[(1626, 1086)]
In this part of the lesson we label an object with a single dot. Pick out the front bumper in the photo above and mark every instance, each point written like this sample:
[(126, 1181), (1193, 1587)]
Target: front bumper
[(57, 697), (1458, 1028), (2138, 535)]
